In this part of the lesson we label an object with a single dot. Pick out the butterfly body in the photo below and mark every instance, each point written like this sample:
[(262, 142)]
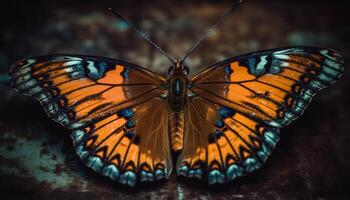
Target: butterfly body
[(224, 122), (177, 90)]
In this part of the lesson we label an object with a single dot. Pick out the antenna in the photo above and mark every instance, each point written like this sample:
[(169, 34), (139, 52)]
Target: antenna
[(141, 34), (205, 35)]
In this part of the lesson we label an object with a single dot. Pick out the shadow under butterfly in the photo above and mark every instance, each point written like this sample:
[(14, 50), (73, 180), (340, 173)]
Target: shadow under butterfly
[(130, 124)]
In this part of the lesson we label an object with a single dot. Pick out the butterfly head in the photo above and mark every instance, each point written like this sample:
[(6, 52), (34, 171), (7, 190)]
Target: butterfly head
[(179, 68)]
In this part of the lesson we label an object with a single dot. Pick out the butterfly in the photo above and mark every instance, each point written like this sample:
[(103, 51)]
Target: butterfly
[(133, 125)]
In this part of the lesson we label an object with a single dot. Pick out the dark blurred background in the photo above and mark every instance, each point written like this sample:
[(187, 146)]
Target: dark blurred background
[(37, 160)]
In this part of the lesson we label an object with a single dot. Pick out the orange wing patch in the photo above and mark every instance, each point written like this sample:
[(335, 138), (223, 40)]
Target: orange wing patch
[(122, 148), (229, 145), (113, 76), (240, 73)]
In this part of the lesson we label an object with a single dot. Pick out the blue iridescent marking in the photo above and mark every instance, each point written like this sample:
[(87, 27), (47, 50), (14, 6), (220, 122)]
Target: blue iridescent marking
[(81, 152), (250, 164), (126, 113), (267, 150), (262, 155), (129, 134), (177, 87), (159, 174), (226, 112), (125, 72), (270, 139), (233, 172), (251, 62), (102, 66), (228, 69), (218, 133), (128, 178), (219, 123), (189, 85), (96, 73), (79, 71), (111, 171), (146, 176), (94, 163), (130, 124), (216, 176), (183, 170), (275, 67), (77, 135), (257, 68), (195, 173)]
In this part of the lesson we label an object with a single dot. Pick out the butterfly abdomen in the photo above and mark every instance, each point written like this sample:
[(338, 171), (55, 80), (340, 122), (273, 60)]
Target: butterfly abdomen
[(176, 130)]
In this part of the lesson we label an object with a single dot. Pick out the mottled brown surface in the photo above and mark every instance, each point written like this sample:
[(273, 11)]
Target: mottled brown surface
[(37, 160)]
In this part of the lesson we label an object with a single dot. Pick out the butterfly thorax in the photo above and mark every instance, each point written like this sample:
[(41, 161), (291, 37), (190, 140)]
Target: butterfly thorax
[(177, 96)]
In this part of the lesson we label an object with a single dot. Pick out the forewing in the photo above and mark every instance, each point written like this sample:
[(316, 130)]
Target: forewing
[(78, 90), (274, 86), (118, 119)]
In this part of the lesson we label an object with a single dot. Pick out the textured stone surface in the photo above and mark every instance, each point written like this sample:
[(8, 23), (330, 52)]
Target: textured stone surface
[(37, 160)]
